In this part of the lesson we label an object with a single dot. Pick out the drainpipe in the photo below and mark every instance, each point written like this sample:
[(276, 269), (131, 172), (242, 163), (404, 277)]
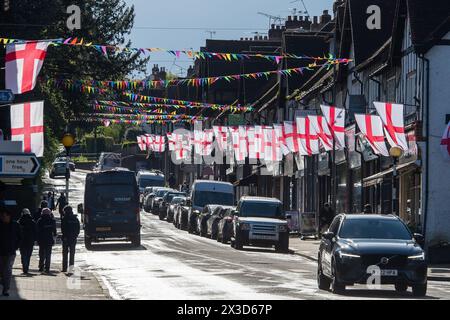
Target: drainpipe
[(427, 151)]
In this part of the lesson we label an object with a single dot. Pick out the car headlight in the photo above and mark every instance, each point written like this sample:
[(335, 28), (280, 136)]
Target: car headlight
[(282, 228), (244, 226), (196, 212), (417, 257), (348, 255)]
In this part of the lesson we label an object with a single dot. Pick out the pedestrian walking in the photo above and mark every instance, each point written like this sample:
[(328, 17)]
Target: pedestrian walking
[(42, 206), (326, 216), (70, 228), (46, 231), (61, 203), (185, 187), (9, 243), (51, 200), (29, 235)]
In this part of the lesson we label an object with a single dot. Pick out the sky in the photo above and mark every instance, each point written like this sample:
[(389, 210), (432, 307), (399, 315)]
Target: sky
[(181, 24)]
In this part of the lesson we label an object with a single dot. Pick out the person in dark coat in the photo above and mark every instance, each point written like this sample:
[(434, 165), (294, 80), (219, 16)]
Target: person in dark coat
[(61, 203), (9, 243), (29, 235), (51, 200), (46, 227), (70, 228), (326, 216), (37, 214), (367, 209)]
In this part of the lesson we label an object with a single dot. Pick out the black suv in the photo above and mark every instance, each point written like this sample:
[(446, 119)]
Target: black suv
[(358, 247)]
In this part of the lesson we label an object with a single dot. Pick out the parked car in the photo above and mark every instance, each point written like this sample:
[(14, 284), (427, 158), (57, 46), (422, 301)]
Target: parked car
[(212, 225), (204, 192), (149, 199), (146, 178), (158, 198), (182, 215), (164, 205), (142, 196), (58, 170), (111, 207), (175, 203), (64, 159), (357, 244), (203, 217), (225, 225), (261, 222)]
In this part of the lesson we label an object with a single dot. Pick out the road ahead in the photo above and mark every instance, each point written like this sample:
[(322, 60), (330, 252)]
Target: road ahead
[(173, 264)]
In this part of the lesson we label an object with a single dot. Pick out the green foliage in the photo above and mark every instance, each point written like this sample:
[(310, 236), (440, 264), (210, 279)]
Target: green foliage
[(132, 133), (80, 159), (104, 144), (115, 131)]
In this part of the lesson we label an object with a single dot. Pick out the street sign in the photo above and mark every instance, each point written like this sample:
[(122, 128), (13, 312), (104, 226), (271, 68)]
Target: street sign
[(19, 165), (6, 96)]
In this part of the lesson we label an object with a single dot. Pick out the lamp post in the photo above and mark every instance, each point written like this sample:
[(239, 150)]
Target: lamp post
[(395, 153), (68, 141)]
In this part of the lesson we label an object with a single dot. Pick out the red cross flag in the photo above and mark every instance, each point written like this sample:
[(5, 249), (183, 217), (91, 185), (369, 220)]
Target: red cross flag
[(236, 139), (371, 127), (322, 129), (290, 136), (392, 116), (207, 142), (22, 65), (308, 140), (251, 142), (281, 138), (149, 141), (159, 144), (221, 133), (445, 143), (243, 140), (141, 140), (27, 125), (336, 122), (198, 142), (272, 149), (171, 139), (260, 141)]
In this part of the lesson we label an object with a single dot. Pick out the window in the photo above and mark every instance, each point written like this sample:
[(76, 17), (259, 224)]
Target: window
[(370, 228), (262, 209), (334, 227)]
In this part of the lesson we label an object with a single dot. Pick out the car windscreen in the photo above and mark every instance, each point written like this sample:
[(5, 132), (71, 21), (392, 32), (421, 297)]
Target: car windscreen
[(114, 196), (161, 193), (202, 198), (374, 229), (170, 196), (261, 209), (111, 162), (177, 200), (151, 182)]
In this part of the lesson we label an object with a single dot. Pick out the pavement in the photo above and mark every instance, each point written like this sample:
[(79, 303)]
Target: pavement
[(308, 248)]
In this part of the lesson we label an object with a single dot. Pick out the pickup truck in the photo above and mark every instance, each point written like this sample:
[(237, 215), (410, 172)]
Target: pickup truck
[(260, 222)]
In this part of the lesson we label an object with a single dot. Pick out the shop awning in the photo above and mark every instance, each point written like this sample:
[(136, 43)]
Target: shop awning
[(378, 177)]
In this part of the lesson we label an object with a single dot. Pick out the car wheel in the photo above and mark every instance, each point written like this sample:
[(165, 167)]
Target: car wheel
[(323, 282), (161, 217), (336, 286), (401, 287), (419, 290)]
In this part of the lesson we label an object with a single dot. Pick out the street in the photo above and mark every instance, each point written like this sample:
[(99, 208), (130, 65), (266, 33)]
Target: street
[(173, 264)]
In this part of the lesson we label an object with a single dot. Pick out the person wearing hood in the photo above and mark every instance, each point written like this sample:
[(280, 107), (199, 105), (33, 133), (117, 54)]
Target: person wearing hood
[(29, 233), (46, 227), (37, 214), (70, 228), (9, 243)]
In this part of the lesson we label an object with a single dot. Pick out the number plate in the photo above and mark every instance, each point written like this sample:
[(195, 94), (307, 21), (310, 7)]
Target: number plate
[(389, 273), (103, 229)]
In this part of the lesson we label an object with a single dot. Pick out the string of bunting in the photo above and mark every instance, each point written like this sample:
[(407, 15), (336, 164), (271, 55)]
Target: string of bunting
[(142, 116), (105, 49), (132, 121)]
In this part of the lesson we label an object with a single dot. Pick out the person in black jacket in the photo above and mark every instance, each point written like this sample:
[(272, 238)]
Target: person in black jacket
[(9, 243), (37, 214), (70, 228), (29, 233), (46, 227)]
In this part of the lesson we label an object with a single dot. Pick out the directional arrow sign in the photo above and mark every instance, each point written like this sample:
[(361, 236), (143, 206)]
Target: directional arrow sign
[(6, 96), (19, 165)]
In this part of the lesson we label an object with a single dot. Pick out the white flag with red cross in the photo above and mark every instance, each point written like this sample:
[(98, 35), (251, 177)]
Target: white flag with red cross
[(198, 141), (335, 118), (141, 140), (182, 146), (221, 134), (392, 116), (243, 141), (272, 149), (230, 141), (236, 142), (323, 132), (281, 136), (22, 65), (290, 136), (207, 142), (27, 125), (308, 140), (149, 141), (445, 143), (159, 143), (171, 141), (371, 127), (259, 139), (250, 131)]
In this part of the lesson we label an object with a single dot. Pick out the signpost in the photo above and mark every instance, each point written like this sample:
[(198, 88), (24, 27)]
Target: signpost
[(6, 96), (19, 165)]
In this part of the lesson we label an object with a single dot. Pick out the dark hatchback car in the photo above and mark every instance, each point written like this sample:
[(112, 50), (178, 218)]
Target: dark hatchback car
[(358, 246), (164, 205)]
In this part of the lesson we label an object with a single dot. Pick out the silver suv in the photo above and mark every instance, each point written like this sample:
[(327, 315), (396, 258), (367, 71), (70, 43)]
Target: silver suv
[(261, 222)]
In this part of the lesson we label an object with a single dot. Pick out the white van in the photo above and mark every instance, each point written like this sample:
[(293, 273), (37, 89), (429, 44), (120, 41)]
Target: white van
[(204, 192)]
